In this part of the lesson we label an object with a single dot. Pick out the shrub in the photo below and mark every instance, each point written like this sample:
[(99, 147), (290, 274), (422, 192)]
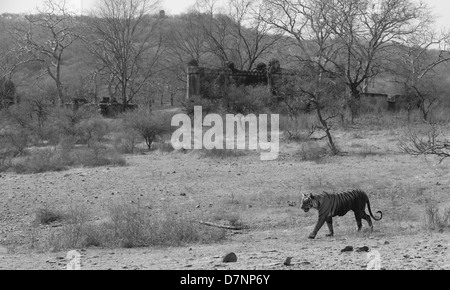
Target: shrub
[(148, 124), (92, 130), (296, 128), (312, 151), (96, 156), (43, 161), (46, 216), (125, 140), (65, 122), (436, 220), (130, 226), (65, 156)]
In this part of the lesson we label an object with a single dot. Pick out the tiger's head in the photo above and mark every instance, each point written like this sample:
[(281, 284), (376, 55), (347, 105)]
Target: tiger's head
[(309, 201)]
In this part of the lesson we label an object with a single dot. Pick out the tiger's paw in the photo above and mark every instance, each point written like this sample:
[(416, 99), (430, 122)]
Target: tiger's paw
[(330, 235), (312, 237)]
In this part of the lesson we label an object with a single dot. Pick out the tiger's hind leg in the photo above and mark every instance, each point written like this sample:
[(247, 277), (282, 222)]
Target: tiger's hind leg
[(368, 219), (330, 226), (358, 217)]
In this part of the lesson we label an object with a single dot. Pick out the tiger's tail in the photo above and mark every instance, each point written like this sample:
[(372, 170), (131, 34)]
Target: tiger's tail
[(371, 214)]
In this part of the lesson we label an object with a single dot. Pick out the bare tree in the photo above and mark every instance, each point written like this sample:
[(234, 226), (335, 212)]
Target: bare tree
[(359, 34), (237, 31), (367, 30), (126, 43), (45, 37), (431, 143), (186, 40), (416, 67), (319, 87)]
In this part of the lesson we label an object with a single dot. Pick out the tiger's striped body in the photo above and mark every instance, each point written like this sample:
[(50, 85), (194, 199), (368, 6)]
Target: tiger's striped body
[(338, 204)]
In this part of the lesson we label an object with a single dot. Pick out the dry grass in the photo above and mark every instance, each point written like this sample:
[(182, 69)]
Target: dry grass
[(130, 226), (47, 215), (436, 218), (60, 159)]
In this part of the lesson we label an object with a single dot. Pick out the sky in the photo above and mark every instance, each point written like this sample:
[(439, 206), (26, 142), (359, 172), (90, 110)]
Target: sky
[(441, 7), (20, 6)]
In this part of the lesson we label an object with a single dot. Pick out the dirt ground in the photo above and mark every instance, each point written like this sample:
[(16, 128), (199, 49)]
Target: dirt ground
[(265, 196)]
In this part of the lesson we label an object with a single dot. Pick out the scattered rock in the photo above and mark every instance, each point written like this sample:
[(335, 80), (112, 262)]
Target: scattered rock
[(183, 194), (230, 258), (287, 262), (347, 249), (362, 249), (386, 243)]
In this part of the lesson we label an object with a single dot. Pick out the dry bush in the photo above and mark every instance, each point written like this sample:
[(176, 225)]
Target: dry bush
[(164, 147), (312, 151), (148, 124), (435, 218), (297, 128), (65, 122), (425, 141), (92, 130), (43, 161), (96, 156), (125, 141), (130, 226), (65, 156), (47, 215)]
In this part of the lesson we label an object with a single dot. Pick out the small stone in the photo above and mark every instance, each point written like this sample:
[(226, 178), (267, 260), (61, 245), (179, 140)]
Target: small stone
[(287, 262), (362, 249), (230, 258), (347, 249)]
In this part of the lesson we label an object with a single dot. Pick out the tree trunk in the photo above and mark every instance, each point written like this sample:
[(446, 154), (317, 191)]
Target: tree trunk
[(327, 129)]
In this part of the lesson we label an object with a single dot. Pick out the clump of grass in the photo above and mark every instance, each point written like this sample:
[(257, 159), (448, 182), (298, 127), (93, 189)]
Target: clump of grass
[(164, 147), (46, 216), (43, 161), (312, 151), (60, 159), (233, 218), (222, 153), (130, 226), (98, 156), (435, 218)]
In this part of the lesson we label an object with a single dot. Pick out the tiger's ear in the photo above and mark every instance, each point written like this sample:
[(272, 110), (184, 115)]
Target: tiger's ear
[(311, 196)]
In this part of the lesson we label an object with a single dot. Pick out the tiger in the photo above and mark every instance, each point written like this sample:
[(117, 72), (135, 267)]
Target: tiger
[(330, 205)]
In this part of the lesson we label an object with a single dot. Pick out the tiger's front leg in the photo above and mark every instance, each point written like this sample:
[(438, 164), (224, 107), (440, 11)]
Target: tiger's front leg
[(319, 224), (330, 226)]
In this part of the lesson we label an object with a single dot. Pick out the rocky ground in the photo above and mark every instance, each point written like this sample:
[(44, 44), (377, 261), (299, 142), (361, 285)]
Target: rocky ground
[(265, 196)]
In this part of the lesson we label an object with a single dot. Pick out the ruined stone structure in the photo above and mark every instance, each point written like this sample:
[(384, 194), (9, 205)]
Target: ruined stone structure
[(196, 75), (271, 75)]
